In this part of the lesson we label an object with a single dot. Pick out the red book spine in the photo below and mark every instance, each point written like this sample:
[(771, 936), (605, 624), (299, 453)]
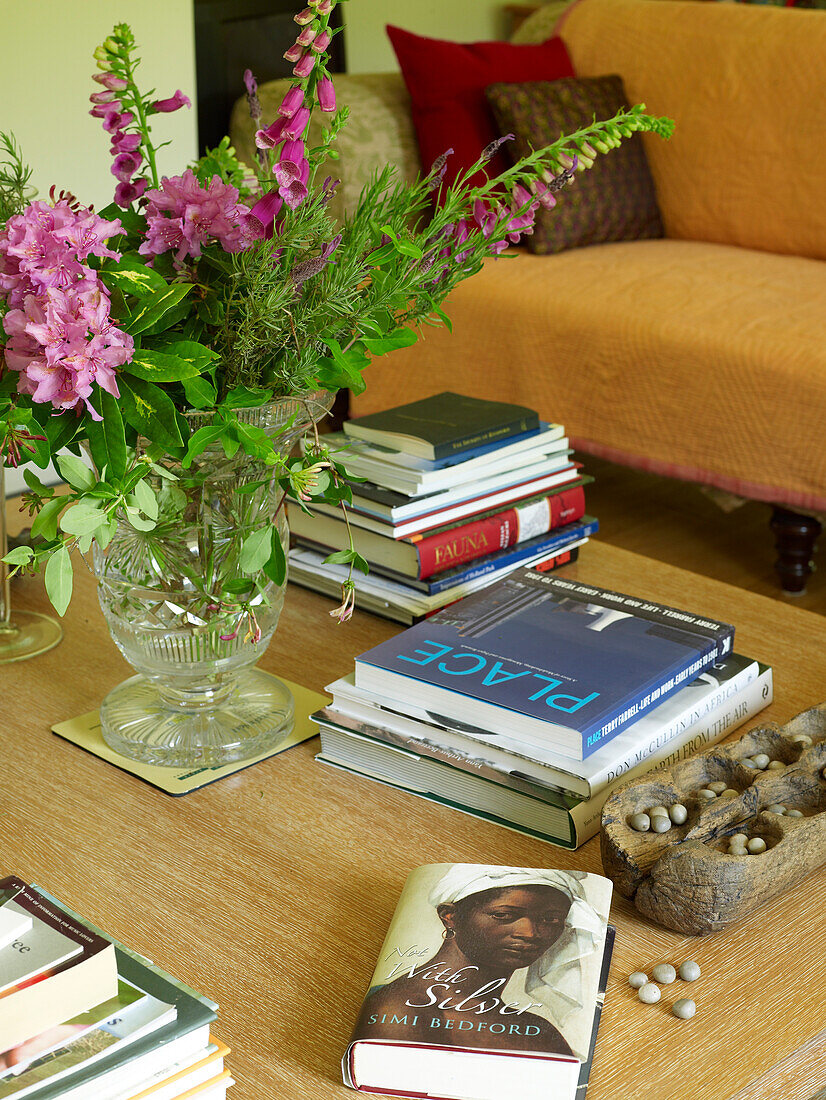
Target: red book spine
[(484, 536)]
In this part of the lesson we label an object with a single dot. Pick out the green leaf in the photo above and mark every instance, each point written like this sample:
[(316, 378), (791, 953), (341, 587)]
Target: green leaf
[(276, 565), (200, 440), (443, 317), (45, 522), (152, 309), (107, 438), (161, 366), (131, 276), (58, 578), (237, 586), (33, 481), (74, 471), (256, 549), (20, 555), (239, 397), (82, 519), (140, 523), (200, 392), (400, 338), (348, 557), (209, 310), (150, 411), (147, 501)]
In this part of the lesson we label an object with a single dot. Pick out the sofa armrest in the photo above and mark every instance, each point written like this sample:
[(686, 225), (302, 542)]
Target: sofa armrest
[(379, 131)]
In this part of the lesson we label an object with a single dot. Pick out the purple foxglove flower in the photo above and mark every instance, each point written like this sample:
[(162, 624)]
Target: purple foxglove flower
[(289, 167), (127, 193), (293, 53), (521, 195), (490, 151), (272, 136), (174, 103), (305, 65), (323, 7), (307, 36), (103, 110), (304, 17), (125, 143), (326, 94), (321, 42), (294, 127), (110, 81), (543, 194), (292, 101), (102, 97), (267, 209), (125, 165), (114, 120)]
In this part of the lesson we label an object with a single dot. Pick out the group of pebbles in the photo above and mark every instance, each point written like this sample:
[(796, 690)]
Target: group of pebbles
[(664, 974)]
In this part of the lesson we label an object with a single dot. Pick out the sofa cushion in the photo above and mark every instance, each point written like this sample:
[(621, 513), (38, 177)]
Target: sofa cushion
[(614, 200), (701, 361), (744, 82), (447, 81)]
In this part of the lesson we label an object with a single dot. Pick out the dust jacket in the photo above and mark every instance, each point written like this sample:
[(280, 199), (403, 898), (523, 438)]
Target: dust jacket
[(554, 661), (489, 986)]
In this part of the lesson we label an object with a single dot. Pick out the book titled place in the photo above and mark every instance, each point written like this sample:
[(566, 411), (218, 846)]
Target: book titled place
[(551, 660)]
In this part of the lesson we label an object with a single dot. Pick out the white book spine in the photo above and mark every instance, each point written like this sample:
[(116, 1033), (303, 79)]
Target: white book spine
[(733, 711)]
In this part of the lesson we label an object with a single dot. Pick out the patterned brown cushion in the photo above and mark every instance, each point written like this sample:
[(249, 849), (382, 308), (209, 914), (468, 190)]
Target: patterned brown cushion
[(613, 201)]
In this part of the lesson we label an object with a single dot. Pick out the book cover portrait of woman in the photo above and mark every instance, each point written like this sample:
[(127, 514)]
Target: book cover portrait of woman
[(496, 957)]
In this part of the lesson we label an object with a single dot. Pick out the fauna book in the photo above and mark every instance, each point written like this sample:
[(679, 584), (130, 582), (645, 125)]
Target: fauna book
[(489, 986)]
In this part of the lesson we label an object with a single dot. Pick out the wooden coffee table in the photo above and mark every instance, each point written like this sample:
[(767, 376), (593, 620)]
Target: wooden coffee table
[(271, 891)]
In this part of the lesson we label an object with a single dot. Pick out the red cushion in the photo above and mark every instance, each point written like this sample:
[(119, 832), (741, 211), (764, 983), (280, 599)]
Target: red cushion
[(447, 82)]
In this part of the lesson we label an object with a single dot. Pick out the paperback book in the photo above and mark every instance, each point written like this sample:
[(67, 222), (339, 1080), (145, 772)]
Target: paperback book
[(497, 787), (464, 1002), (559, 662), (443, 424)]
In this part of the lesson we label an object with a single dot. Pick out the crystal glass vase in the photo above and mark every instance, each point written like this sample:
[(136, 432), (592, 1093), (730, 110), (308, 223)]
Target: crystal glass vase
[(186, 614)]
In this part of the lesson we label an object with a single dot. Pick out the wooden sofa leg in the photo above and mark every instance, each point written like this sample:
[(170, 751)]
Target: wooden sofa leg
[(795, 538)]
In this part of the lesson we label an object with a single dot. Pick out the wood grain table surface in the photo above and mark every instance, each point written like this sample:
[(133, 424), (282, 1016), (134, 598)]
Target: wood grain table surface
[(271, 891)]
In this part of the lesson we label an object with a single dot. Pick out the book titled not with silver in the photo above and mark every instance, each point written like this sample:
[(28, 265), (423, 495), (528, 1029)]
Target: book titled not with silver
[(489, 986), (553, 660)]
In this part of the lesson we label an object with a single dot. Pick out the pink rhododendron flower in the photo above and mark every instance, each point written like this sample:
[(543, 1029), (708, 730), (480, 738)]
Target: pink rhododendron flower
[(184, 216), (174, 103)]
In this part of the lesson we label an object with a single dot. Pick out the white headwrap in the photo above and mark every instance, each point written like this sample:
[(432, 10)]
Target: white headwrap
[(557, 975)]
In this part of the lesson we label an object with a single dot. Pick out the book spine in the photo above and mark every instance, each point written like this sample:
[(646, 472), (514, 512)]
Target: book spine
[(498, 561), (712, 727), (518, 426), (656, 693), (473, 540)]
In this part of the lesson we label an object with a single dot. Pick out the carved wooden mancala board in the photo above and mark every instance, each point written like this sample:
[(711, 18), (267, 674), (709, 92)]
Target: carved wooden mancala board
[(686, 878)]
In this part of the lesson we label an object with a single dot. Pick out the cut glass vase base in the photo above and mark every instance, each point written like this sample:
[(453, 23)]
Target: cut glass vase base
[(197, 729), (28, 634)]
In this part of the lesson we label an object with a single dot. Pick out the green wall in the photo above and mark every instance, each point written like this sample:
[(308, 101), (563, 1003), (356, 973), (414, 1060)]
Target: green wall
[(45, 83), (366, 43)]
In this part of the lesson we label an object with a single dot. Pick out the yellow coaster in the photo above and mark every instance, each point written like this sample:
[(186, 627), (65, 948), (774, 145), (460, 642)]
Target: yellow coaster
[(85, 732)]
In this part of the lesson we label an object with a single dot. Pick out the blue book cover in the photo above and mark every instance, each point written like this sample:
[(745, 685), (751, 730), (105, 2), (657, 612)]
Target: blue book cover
[(552, 659)]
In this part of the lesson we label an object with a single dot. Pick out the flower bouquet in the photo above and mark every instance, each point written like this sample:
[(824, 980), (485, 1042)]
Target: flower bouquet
[(185, 337)]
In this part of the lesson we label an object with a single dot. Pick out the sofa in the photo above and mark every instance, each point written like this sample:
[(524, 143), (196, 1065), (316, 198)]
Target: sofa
[(700, 355)]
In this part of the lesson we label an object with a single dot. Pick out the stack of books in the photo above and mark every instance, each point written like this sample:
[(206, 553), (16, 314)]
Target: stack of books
[(527, 703), (82, 1016), (458, 493)]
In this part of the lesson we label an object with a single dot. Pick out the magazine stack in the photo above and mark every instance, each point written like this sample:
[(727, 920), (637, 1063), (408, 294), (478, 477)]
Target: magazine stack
[(82, 1016), (456, 493), (528, 702)]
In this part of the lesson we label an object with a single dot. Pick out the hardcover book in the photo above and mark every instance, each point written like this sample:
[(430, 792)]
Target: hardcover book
[(443, 424), (555, 661), (489, 986), (56, 970)]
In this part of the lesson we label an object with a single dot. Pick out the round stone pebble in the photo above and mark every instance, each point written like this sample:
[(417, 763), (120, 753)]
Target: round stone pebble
[(660, 823), (684, 1008), (678, 813), (795, 813), (738, 850), (705, 795), (718, 786), (756, 845), (749, 763), (776, 765), (776, 808), (637, 980), (689, 971), (664, 973), (730, 792), (802, 739), (738, 838), (640, 822), (649, 993), (658, 811), (761, 760)]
